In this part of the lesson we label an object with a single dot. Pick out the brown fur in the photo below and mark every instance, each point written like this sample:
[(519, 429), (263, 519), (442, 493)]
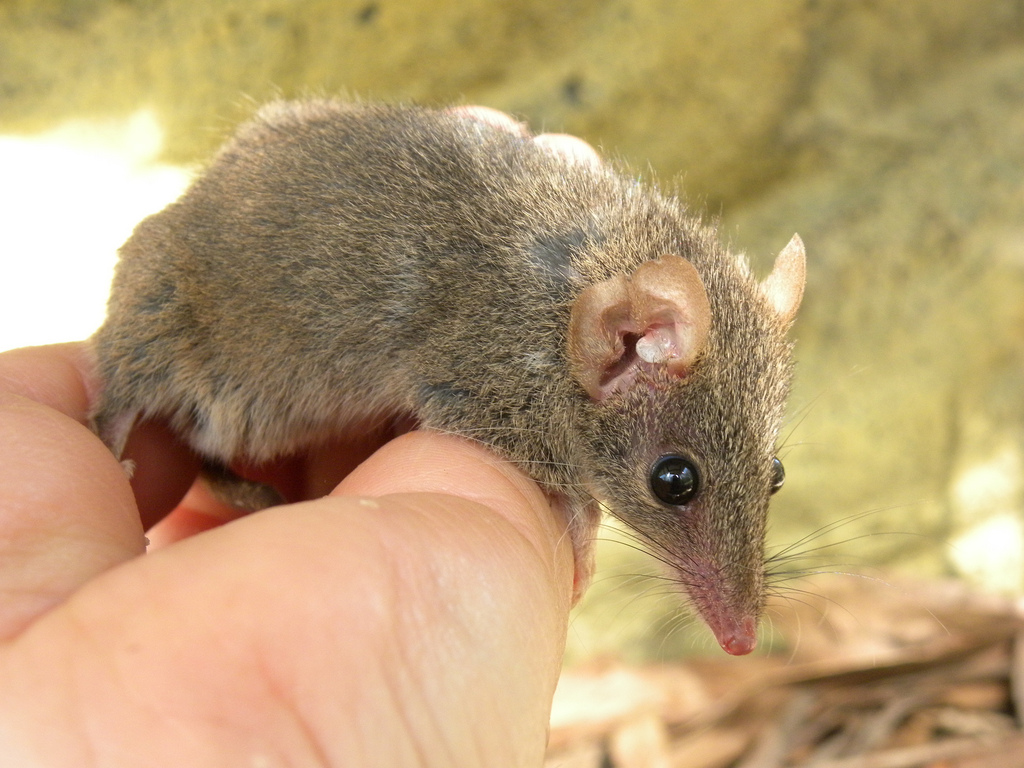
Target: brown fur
[(341, 263)]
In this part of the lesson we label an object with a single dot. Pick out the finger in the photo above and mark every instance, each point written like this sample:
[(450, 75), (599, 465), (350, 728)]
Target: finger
[(199, 511), (59, 376), (308, 631), (297, 478), (316, 472), (424, 464), (66, 512), (63, 377), (163, 469)]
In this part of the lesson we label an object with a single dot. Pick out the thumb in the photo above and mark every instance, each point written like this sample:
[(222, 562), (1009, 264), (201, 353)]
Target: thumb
[(418, 623)]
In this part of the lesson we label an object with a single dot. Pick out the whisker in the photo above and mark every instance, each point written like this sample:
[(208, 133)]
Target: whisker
[(834, 526), (809, 603), (802, 413)]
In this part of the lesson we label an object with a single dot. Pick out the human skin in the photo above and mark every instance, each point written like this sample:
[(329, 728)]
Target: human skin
[(413, 616)]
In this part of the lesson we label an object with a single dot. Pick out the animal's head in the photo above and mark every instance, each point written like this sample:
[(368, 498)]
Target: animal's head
[(687, 374)]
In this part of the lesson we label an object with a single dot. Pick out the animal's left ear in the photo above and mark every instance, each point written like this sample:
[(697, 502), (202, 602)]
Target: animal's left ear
[(655, 319), (784, 287)]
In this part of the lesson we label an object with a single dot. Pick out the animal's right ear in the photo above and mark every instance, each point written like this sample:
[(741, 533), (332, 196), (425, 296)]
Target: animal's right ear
[(784, 287), (655, 320)]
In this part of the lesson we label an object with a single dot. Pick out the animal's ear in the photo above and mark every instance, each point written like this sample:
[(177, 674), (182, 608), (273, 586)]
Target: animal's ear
[(784, 287), (655, 319)]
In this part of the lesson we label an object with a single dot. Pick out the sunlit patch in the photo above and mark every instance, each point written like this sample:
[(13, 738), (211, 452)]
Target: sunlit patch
[(992, 551), (992, 484), (68, 199)]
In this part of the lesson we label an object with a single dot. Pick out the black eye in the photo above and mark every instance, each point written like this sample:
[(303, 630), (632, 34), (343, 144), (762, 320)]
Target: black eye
[(674, 480), (778, 475)]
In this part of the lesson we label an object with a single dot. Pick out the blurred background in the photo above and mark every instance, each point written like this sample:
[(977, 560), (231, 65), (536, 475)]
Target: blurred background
[(888, 133)]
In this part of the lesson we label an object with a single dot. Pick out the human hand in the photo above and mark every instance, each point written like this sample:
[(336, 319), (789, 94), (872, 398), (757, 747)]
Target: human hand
[(414, 616)]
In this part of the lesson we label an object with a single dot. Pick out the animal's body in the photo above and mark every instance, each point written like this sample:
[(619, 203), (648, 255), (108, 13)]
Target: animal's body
[(338, 265)]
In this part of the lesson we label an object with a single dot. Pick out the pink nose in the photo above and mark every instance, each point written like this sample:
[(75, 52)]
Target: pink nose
[(741, 640)]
